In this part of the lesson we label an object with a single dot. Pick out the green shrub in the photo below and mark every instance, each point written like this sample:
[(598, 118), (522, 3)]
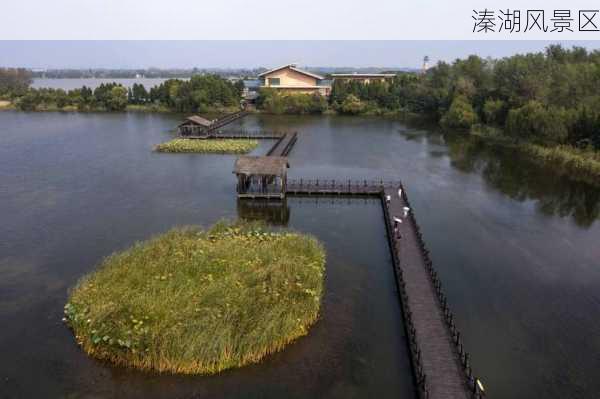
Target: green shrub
[(274, 102), (352, 105), (537, 123), (460, 115), (494, 112)]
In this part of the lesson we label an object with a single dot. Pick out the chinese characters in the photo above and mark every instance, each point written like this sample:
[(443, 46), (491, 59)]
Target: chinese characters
[(521, 21)]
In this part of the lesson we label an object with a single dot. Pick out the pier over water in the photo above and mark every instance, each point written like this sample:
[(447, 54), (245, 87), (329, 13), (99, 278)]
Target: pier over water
[(440, 363)]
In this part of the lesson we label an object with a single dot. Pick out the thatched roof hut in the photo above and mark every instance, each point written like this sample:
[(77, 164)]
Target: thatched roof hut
[(261, 176), (196, 120), (261, 166), (194, 126)]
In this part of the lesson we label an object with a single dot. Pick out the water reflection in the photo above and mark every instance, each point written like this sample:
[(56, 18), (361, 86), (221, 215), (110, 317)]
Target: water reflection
[(515, 176), (275, 212)]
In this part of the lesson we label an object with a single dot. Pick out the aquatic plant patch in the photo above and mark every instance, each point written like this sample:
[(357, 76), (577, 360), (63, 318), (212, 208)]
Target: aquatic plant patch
[(199, 302), (208, 146)]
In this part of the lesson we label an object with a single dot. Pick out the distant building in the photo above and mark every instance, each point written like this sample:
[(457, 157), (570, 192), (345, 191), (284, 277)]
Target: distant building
[(363, 77), (425, 66), (291, 79)]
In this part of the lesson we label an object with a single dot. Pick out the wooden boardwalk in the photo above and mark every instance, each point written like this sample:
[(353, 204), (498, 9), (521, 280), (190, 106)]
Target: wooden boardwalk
[(441, 365), (332, 187), (284, 145), (239, 134), (227, 119)]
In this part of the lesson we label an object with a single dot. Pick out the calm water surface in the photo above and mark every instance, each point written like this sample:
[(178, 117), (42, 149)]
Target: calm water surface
[(517, 246), (76, 83)]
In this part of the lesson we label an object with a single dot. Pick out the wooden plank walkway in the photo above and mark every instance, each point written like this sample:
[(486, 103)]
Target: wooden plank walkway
[(238, 135), (441, 365), (336, 187), (284, 145), (227, 119)]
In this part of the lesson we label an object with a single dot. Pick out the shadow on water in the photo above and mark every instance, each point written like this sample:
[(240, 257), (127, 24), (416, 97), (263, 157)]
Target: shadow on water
[(512, 174), (273, 212)]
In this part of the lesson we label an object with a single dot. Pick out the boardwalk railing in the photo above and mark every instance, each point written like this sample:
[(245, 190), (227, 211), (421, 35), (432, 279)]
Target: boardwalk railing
[(284, 145), (415, 276), (247, 134), (473, 384), (442, 353), (338, 186), (227, 119)]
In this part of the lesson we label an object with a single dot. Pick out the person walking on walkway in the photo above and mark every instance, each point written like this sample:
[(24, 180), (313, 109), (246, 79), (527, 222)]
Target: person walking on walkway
[(397, 222), (400, 193), (406, 209), (388, 199)]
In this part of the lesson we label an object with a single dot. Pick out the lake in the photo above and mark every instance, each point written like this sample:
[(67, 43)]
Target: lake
[(92, 83), (516, 246)]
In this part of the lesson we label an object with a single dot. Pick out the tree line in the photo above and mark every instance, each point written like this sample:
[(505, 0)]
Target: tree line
[(550, 97), (198, 94)]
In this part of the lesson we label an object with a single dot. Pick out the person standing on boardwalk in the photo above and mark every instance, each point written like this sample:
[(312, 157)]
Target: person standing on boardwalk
[(397, 222), (388, 199), (400, 193), (406, 209)]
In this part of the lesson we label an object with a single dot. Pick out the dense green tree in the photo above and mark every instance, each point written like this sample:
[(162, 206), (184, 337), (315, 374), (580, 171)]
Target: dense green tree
[(352, 105), (494, 112), (537, 123), (14, 82), (29, 102), (460, 115), (117, 99), (275, 102)]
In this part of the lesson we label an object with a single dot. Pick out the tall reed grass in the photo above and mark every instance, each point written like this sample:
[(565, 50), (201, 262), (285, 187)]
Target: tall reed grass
[(199, 302), (214, 146)]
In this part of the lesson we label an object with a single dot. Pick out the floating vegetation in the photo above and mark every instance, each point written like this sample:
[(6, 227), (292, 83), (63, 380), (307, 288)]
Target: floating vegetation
[(208, 146), (199, 302)]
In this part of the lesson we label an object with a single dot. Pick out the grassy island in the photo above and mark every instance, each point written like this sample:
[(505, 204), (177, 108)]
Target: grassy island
[(199, 302), (208, 146)]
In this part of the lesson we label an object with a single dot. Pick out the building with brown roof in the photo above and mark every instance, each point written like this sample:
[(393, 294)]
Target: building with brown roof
[(291, 79)]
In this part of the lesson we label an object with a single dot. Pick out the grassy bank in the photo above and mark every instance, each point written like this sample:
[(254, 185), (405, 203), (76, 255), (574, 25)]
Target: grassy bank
[(579, 164), (193, 301), (208, 146)]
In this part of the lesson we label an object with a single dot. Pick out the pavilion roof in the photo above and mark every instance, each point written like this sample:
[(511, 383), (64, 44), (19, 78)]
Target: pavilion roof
[(261, 165)]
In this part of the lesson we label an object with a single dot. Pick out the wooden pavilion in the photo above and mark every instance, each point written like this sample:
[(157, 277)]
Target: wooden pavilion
[(194, 126), (261, 176)]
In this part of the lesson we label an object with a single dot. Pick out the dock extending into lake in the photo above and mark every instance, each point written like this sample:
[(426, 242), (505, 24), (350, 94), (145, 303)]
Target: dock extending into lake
[(441, 365), (283, 146), (227, 119), (240, 134)]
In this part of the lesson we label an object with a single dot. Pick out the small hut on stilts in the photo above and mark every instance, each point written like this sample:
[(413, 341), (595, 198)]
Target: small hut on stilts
[(195, 126), (261, 176)]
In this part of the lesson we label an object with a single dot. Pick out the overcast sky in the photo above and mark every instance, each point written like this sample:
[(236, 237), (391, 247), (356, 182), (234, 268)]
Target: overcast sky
[(250, 54)]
